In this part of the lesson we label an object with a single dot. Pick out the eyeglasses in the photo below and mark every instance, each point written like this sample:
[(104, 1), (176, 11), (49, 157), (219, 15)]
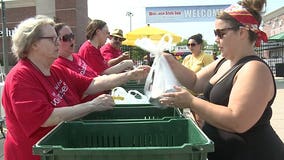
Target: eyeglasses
[(67, 37), (191, 44), (118, 39), (221, 32), (53, 39)]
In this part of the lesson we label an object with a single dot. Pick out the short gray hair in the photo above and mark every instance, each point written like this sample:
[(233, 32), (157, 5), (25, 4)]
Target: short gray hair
[(28, 32)]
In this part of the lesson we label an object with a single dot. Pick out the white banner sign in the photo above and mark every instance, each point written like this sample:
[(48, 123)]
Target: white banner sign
[(183, 13)]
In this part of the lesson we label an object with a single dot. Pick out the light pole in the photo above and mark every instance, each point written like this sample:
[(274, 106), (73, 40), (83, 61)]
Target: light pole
[(4, 43), (130, 15)]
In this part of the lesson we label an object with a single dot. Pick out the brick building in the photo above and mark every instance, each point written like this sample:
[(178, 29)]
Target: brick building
[(72, 12), (273, 22), (273, 51)]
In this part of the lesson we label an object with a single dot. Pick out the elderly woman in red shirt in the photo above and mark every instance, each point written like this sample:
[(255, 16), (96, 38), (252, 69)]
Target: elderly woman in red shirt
[(37, 95)]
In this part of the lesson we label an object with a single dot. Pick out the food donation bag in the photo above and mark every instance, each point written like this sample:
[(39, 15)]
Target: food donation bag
[(160, 79), (121, 96)]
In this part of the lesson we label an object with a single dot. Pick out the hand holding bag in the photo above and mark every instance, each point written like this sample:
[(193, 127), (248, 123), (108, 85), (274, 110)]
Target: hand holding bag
[(160, 78)]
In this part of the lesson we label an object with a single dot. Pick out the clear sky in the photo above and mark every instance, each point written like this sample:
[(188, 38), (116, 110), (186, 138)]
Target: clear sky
[(114, 13)]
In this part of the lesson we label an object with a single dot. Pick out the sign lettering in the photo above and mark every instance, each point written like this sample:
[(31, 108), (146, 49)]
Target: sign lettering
[(183, 13)]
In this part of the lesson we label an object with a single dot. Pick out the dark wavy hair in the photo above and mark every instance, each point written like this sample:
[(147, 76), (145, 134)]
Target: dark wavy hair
[(197, 38)]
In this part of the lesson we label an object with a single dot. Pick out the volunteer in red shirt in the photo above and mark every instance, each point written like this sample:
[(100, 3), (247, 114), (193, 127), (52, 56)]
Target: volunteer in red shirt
[(97, 33), (112, 51), (70, 60), (37, 96), (67, 58)]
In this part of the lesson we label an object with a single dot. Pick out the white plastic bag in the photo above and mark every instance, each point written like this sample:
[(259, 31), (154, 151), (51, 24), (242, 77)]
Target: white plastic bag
[(155, 49), (121, 96), (160, 78)]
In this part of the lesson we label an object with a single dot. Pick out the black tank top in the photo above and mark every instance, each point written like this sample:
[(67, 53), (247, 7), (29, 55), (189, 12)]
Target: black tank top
[(258, 143)]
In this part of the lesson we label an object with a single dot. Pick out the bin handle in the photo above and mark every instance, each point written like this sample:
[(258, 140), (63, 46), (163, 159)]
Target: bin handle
[(179, 112)]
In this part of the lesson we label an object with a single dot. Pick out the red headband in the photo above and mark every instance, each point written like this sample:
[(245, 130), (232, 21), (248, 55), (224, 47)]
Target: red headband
[(243, 16)]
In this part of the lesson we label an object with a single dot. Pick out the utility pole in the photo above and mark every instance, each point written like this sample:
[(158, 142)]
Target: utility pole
[(130, 15), (4, 35)]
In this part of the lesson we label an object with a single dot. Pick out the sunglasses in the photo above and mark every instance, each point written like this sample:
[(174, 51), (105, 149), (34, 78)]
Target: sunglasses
[(221, 32), (191, 44), (118, 39), (67, 37)]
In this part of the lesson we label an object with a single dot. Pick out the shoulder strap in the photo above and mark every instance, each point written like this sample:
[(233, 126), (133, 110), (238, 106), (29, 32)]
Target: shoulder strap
[(247, 59), (237, 66), (218, 65)]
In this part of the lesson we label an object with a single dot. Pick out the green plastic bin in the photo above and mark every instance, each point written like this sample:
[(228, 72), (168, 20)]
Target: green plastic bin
[(176, 139), (134, 85), (135, 112)]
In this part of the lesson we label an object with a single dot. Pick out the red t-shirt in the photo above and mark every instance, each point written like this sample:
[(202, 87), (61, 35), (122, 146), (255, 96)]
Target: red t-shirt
[(80, 66), (109, 52), (93, 57), (29, 98)]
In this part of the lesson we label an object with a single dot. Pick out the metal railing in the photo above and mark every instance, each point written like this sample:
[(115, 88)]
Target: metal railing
[(272, 53)]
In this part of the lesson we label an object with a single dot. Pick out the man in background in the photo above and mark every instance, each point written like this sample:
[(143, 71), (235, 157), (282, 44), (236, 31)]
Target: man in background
[(112, 51)]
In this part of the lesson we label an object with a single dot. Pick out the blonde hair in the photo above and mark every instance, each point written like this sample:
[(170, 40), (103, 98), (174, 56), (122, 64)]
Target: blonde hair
[(28, 32)]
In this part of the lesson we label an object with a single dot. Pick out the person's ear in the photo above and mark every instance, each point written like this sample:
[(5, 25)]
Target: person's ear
[(244, 33), (35, 45)]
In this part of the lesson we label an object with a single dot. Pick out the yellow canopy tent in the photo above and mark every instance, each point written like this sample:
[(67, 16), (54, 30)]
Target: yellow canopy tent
[(150, 32)]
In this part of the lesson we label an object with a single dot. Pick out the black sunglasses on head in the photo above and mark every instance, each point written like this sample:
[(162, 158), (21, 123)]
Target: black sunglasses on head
[(221, 32), (67, 37)]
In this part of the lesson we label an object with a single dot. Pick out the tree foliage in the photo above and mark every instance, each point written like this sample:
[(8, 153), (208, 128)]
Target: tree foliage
[(136, 53)]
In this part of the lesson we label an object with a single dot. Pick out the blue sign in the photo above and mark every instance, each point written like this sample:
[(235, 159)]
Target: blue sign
[(183, 13)]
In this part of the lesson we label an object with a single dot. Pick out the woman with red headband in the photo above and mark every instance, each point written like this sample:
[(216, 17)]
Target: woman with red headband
[(239, 89)]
